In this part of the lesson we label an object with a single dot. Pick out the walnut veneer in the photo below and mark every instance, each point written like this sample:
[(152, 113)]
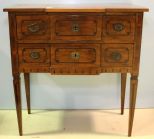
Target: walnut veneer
[(75, 40)]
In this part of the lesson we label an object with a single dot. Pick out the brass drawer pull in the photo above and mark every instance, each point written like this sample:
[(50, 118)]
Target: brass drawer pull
[(34, 27), (118, 27), (75, 27), (35, 55), (75, 55), (116, 56)]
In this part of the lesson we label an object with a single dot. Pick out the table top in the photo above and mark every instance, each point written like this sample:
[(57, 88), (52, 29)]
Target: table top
[(77, 8)]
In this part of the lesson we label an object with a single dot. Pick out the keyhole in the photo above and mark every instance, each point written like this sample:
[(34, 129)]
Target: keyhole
[(75, 55), (75, 28)]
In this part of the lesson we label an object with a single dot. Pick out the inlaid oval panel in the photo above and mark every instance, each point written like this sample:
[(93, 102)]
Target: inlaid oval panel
[(118, 29), (117, 55), (33, 27)]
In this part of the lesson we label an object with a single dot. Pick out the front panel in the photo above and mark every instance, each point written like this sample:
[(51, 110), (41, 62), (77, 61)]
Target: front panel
[(77, 27)]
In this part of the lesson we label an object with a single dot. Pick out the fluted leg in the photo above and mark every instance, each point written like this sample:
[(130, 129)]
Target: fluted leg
[(17, 93), (133, 93), (27, 87), (123, 89)]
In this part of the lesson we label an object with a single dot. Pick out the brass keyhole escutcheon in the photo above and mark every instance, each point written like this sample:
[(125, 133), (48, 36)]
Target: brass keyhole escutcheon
[(116, 56), (118, 27), (75, 55), (75, 27), (35, 55), (33, 28)]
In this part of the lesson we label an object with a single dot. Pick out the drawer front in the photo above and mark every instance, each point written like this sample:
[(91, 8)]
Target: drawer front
[(117, 55), (118, 29), (75, 55), (77, 27), (33, 27), (33, 55)]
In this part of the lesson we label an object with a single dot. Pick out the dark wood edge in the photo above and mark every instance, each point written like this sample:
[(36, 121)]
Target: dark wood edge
[(92, 10), (127, 10), (24, 10)]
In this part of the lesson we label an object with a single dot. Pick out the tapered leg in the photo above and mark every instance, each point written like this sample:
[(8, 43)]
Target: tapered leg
[(27, 87), (123, 89), (133, 93), (17, 93)]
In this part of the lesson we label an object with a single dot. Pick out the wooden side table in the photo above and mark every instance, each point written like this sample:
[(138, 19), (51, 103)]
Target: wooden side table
[(76, 40)]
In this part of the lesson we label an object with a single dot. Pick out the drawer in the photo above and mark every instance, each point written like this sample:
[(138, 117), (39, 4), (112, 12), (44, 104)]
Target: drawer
[(117, 55), (33, 27), (77, 27), (75, 55), (118, 29), (33, 55)]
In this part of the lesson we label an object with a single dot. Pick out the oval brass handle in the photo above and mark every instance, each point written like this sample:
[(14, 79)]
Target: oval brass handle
[(34, 27), (75, 55), (118, 27), (116, 56), (75, 27), (35, 55)]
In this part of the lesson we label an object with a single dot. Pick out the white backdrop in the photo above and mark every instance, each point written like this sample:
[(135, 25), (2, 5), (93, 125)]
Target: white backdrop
[(78, 92)]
